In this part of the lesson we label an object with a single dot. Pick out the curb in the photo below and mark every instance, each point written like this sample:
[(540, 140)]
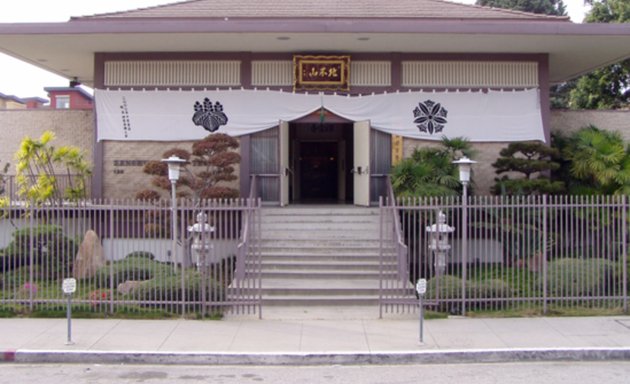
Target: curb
[(323, 358)]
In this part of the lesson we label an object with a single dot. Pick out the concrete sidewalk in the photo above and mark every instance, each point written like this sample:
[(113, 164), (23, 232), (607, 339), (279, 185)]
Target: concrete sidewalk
[(302, 337)]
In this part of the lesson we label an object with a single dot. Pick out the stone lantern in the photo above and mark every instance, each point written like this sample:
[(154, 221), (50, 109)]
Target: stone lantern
[(439, 242)]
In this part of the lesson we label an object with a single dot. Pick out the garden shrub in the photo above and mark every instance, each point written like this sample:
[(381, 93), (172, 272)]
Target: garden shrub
[(138, 267), (169, 288), (493, 289), (53, 252), (486, 292), (444, 287), (582, 277)]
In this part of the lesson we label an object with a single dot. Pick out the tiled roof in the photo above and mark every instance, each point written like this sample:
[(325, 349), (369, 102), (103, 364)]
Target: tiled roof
[(296, 9)]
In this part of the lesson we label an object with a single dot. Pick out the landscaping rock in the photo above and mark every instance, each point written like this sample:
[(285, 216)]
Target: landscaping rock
[(128, 287), (90, 256)]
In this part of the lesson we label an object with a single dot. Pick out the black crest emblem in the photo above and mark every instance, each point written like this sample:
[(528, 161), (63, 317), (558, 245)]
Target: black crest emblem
[(430, 117), (209, 116)]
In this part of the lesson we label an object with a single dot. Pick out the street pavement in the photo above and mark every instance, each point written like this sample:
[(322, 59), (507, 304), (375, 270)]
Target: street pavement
[(302, 336)]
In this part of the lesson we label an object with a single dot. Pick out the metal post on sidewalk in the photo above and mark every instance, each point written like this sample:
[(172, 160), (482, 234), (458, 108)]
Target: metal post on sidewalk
[(69, 286), (421, 288)]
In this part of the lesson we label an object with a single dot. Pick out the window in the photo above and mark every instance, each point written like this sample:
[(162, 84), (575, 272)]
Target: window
[(62, 102)]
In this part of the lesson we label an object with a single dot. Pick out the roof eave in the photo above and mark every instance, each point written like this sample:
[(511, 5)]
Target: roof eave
[(307, 25)]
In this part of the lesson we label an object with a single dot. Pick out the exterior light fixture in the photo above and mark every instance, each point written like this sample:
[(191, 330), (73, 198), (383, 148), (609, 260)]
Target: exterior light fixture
[(464, 164), (174, 164)]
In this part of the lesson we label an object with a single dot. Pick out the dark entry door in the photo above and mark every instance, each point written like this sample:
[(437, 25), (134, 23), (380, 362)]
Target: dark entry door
[(318, 171)]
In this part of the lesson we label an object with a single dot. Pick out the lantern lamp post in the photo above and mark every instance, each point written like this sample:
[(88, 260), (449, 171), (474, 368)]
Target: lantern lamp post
[(174, 164), (464, 164)]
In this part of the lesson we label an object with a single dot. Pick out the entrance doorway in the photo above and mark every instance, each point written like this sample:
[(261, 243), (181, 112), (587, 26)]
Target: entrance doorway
[(320, 158), (318, 167), (312, 161)]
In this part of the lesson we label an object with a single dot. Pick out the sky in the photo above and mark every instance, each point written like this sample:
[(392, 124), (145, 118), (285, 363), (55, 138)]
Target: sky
[(32, 80)]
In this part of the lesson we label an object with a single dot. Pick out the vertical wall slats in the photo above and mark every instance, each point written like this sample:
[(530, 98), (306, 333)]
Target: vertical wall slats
[(172, 73), (469, 74)]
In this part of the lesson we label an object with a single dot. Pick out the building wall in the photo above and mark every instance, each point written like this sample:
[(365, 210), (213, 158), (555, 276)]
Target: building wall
[(569, 121), (123, 161), (71, 127)]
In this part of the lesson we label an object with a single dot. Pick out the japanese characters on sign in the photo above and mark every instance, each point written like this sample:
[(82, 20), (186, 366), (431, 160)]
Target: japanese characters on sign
[(321, 72)]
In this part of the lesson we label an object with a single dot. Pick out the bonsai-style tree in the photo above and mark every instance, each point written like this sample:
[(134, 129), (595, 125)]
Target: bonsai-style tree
[(40, 165), (534, 161), (210, 163)]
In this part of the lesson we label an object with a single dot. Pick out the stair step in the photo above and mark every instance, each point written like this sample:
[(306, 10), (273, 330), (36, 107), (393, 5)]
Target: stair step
[(324, 274), (314, 256), (272, 257), (313, 300)]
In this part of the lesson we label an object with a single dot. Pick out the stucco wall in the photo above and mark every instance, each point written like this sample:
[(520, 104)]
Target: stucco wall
[(123, 163), (568, 121), (71, 127)]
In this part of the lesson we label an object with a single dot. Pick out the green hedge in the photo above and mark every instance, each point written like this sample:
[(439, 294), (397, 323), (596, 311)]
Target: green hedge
[(51, 250), (582, 277), (134, 267)]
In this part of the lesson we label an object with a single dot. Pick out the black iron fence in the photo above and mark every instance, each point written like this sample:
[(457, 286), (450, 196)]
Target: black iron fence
[(538, 252), (125, 256)]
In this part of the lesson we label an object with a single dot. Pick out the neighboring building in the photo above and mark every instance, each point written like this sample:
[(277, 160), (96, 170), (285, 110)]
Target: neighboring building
[(322, 94), (69, 98), (11, 102), (35, 102), (14, 102)]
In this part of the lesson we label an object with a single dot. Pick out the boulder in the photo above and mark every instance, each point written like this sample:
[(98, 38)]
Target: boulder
[(90, 256), (128, 286)]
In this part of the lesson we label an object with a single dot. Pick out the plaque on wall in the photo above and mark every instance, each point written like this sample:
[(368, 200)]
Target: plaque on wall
[(321, 73)]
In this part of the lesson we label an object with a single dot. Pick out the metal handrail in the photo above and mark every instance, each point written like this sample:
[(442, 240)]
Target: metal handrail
[(401, 247), (244, 244)]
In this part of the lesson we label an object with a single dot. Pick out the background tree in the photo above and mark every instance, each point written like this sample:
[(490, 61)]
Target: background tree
[(210, 163), (547, 7), (609, 87), (40, 165), (534, 161)]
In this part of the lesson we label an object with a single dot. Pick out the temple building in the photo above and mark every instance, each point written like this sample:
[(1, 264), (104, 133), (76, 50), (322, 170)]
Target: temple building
[(324, 96)]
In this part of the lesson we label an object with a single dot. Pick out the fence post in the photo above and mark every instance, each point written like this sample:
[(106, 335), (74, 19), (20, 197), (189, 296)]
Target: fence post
[(624, 252), (544, 253), (464, 247), (113, 255), (380, 258), (31, 254)]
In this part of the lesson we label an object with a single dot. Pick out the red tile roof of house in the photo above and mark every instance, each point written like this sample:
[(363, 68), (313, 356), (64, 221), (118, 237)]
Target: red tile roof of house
[(296, 9)]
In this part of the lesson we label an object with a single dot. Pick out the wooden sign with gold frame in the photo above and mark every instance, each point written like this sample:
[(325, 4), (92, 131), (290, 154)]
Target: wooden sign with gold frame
[(321, 73)]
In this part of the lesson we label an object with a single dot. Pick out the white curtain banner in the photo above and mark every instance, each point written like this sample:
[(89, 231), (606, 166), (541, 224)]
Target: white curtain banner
[(159, 115)]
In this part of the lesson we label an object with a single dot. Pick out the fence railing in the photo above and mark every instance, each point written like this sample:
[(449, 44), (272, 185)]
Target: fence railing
[(538, 252), (122, 255), (9, 186)]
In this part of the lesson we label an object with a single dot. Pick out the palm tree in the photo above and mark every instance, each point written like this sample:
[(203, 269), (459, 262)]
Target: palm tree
[(430, 171), (599, 162)]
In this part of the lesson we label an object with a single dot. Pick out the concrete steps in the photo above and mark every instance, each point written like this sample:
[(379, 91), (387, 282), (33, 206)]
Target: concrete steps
[(315, 256)]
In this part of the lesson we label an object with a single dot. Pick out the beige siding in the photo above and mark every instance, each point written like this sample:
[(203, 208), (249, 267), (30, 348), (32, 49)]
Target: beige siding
[(568, 121), (123, 175), (71, 127)]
